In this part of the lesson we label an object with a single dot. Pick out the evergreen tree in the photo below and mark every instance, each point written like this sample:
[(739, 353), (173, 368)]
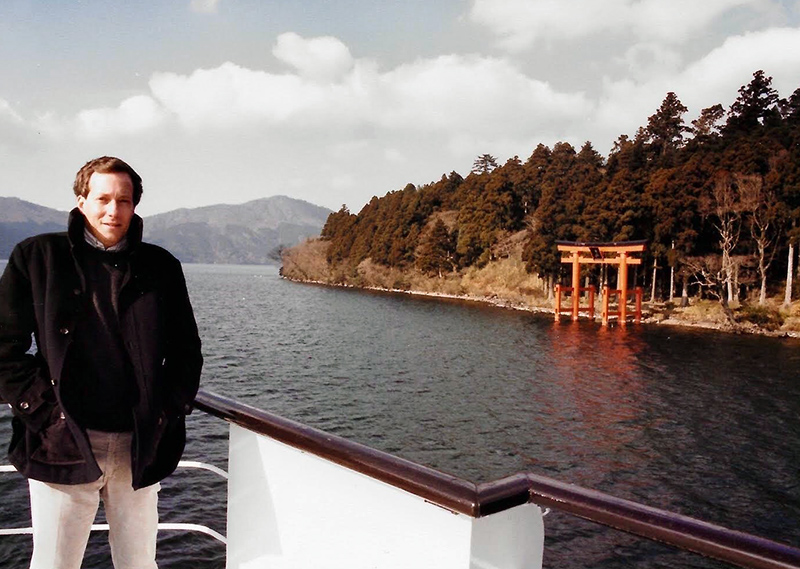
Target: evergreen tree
[(437, 252), (535, 168), (622, 215), (500, 201), (588, 190), (707, 124), (338, 229), (484, 164), (655, 186), (756, 106), (665, 128), (554, 217)]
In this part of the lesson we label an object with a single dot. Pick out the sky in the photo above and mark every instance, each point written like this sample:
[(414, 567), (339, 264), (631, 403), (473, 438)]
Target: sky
[(227, 101)]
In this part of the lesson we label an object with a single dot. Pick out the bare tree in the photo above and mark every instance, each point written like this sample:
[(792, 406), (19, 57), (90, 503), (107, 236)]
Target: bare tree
[(761, 206), (672, 272), (709, 273), (787, 297), (725, 208), (653, 283)]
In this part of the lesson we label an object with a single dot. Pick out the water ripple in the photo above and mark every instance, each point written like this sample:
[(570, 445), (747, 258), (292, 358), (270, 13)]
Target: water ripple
[(692, 421)]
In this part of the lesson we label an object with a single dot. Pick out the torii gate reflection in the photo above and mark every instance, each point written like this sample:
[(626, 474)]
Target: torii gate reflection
[(601, 254)]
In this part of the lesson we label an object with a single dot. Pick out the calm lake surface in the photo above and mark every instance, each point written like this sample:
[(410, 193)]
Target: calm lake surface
[(697, 422)]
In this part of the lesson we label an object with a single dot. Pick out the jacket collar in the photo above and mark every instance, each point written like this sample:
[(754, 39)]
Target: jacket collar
[(77, 224)]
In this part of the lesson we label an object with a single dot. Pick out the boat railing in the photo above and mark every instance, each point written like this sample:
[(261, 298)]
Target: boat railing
[(162, 526), (302, 498), (482, 501)]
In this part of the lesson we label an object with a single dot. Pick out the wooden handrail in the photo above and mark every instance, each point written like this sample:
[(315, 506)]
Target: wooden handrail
[(478, 500)]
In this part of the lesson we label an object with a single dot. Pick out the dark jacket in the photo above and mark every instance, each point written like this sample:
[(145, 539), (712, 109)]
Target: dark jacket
[(42, 295)]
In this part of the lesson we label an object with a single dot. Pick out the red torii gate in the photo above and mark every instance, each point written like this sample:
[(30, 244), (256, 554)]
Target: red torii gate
[(604, 254)]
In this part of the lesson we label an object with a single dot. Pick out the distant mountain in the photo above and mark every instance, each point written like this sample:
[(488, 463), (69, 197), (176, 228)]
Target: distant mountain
[(20, 219), (248, 233)]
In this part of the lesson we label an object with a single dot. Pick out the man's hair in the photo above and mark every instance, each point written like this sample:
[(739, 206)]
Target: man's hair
[(106, 165)]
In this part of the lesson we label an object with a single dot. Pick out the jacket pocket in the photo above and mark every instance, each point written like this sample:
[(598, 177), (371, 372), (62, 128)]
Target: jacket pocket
[(162, 453), (55, 444)]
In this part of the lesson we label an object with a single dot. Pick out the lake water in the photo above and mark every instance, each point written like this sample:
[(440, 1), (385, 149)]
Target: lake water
[(697, 422)]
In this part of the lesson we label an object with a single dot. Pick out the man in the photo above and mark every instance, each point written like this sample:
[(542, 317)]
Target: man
[(98, 407)]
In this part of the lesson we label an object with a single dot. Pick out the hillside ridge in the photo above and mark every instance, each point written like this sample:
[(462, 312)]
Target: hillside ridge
[(248, 233)]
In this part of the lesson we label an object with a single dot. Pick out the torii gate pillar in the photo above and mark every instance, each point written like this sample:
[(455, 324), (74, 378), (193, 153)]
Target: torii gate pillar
[(606, 254), (576, 282), (623, 286)]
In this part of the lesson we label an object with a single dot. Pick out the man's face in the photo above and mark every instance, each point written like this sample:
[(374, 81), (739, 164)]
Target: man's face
[(108, 207)]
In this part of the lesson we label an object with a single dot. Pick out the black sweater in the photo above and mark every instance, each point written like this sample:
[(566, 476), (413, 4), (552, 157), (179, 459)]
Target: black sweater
[(101, 394)]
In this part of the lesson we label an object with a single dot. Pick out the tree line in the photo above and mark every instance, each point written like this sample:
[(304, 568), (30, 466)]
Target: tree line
[(718, 201)]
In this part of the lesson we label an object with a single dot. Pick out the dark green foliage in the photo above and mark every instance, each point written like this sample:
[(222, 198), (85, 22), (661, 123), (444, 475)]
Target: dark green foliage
[(756, 107), (437, 252), (619, 210), (706, 126), (652, 186), (338, 230), (490, 205), (665, 128), (763, 316), (557, 213), (484, 164)]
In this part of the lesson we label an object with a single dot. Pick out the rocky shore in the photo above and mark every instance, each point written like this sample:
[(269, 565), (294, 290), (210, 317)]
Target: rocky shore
[(707, 316), (505, 283)]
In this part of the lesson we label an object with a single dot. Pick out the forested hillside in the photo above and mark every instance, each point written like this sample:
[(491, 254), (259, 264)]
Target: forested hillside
[(248, 233), (718, 201)]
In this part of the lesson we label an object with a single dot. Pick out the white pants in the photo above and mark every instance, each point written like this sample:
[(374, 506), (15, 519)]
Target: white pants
[(62, 515)]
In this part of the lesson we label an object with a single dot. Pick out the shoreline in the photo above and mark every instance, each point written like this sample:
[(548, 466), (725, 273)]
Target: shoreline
[(510, 305)]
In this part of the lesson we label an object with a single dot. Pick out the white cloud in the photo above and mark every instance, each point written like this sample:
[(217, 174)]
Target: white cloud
[(133, 115), (645, 61), (344, 148), (674, 21), (342, 182), (467, 101), (14, 131), (725, 69), (341, 99), (394, 155), (473, 94), (449, 93), (344, 128), (520, 23), (323, 58), (716, 78), (205, 6), (7, 113), (231, 96)]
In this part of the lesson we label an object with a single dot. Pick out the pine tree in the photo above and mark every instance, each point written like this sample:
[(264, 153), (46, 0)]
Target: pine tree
[(665, 128), (437, 252), (756, 106), (553, 218), (484, 164), (707, 124)]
